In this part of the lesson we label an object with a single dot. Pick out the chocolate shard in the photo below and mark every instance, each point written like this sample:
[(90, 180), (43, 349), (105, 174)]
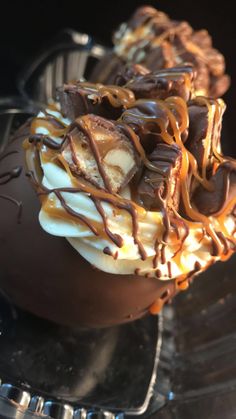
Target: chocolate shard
[(156, 190), (130, 72), (81, 98), (223, 190), (199, 142), (161, 84), (99, 151)]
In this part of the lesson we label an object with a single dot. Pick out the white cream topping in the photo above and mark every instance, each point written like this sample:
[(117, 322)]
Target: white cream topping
[(127, 258)]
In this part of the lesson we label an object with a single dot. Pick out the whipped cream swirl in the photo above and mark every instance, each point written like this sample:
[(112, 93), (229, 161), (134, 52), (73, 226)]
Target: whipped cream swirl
[(143, 253)]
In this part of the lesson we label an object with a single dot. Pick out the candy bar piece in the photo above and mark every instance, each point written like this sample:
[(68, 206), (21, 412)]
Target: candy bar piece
[(223, 190), (130, 72), (150, 119), (160, 84), (152, 39), (145, 118), (81, 98), (200, 142), (99, 151), (156, 189)]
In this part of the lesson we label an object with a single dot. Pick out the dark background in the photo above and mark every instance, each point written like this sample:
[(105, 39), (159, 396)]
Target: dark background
[(26, 26)]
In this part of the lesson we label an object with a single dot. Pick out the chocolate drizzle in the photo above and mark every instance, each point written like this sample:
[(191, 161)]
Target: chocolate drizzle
[(169, 269), (156, 257), (152, 39), (115, 238), (6, 177), (107, 251), (81, 123), (166, 120), (74, 213), (46, 140)]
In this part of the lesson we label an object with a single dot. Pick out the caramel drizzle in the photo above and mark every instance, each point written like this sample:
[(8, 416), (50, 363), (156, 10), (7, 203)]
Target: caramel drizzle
[(191, 212), (143, 37), (83, 126), (99, 195), (188, 160), (138, 147), (138, 34), (46, 123)]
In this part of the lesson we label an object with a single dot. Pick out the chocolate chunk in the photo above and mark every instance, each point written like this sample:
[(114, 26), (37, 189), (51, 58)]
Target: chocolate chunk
[(155, 190), (130, 72), (152, 39), (198, 124), (99, 151), (224, 190), (147, 119), (156, 57), (201, 143), (82, 98), (160, 84)]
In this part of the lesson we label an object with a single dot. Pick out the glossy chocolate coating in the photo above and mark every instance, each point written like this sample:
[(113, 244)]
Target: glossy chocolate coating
[(199, 119), (162, 84), (224, 190), (198, 124), (130, 72), (156, 190), (148, 118), (46, 276), (82, 98)]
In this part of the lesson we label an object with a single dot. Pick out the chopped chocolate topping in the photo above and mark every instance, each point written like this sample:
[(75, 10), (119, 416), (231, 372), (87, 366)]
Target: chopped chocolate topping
[(163, 83), (223, 190), (156, 190), (205, 120), (82, 98), (150, 120), (99, 151), (147, 119), (130, 72), (152, 39)]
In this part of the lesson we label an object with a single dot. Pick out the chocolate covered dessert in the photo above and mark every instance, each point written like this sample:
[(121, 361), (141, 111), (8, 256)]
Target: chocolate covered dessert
[(117, 195), (152, 41)]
